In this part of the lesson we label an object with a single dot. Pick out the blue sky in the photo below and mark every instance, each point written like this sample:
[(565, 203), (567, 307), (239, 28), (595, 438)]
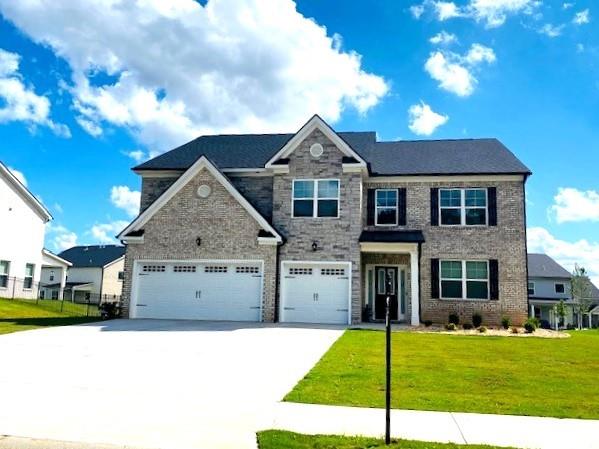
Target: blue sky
[(88, 91)]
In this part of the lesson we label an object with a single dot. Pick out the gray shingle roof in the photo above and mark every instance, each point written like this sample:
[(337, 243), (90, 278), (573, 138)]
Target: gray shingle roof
[(435, 157), (543, 266), (92, 255)]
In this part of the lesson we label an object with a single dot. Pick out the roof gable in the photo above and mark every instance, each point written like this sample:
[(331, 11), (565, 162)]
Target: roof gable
[(24, 193), (201, 164)]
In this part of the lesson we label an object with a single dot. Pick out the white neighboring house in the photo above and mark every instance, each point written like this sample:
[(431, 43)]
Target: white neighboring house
[(95, 274), (22, 225)]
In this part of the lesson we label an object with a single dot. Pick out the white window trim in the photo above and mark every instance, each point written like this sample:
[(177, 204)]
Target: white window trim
[(32, 276), (377, 207), (463, 206), (555, 284), (7, 274), (315, 197), (534, 287), (465, 281)]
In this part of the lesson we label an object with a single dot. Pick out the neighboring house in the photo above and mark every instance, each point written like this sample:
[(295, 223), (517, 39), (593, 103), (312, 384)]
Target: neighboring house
[(22, 255), (548, 283), (96, 274), (308, 227)]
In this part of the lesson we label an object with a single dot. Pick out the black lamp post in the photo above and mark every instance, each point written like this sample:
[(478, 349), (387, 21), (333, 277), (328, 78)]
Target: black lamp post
[(388, 361)]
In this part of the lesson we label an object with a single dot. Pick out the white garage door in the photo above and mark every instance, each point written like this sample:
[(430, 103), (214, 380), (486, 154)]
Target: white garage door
[(199, 291), (315, 293)]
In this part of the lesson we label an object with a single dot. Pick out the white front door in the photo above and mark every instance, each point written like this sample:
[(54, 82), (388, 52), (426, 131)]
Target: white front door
[(222, 290), (315, 293)]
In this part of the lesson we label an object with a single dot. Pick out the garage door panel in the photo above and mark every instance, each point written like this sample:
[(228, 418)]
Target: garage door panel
[(202, 291)]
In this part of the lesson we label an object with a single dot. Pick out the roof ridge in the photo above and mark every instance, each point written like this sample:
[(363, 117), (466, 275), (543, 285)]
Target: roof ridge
[(438, 140)]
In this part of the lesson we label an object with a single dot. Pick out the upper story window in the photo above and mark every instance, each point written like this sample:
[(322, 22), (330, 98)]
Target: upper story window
[(122, 275), (531, 288), (386, 207), (51, 278), (463, 207), (4, 272), (560, 287), (29, 270), (316, 198), (464, 279)]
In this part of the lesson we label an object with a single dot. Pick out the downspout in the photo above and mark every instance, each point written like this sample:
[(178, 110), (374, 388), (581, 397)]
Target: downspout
[(277, 280), (526, 241), (420, 282)]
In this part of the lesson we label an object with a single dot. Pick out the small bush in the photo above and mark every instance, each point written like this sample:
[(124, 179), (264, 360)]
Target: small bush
[(506, 322), (467, 326), (454, 318), (428, 323), (477, 319), (515, 330), (451, 326), (531, 325), (482, 329)]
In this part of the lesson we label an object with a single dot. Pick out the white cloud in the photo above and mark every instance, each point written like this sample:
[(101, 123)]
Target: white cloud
[(454, 72), (493, 13), (228, 66), (567, 5), (417, 11), (551, 30), (126, 199), (19, 175), (572, 205), (423, 120), (136, 155), (92, 128), (58, 208), (106, 232), (582, 17), (443, 38), (19, 102), (581, 252), (60, 237), (447, 10)]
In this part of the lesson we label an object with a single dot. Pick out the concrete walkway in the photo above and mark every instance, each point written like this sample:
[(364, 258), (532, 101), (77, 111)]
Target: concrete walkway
[(472, 428)]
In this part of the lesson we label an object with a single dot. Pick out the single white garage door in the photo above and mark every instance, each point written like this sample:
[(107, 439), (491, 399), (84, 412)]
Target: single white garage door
[(199, 291), (315, 293)]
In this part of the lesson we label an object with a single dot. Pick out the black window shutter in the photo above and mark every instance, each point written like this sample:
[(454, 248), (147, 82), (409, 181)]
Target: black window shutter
[(434, 206), (370, 207), (492, 196), (494, 278), (435, 278), (401, 206)]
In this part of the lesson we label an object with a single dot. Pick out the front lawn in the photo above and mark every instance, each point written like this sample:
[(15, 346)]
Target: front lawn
[(519, 376), (19, 315), (278, 439)]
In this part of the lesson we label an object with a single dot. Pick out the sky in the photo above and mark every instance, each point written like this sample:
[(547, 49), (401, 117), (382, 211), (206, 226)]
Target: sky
[(90, 89)]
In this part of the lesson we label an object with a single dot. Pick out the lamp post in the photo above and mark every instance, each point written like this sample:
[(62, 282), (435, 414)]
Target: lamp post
[(388, 363)]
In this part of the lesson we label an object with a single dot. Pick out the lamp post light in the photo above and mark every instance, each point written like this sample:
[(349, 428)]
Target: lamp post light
[(388, 361)]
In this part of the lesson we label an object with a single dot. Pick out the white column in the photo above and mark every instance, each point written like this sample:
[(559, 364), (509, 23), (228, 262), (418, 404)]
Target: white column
[(414, 270)]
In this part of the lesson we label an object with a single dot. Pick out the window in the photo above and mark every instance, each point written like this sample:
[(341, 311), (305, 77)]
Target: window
[(332, 272), (461, 279), (300, 271), (463, 207), (386, 207), (531, 288), (215, 269), (4, 272), (51, 276), (316, 198), (559, 287), (153, 268), (121, 275), (54, 294), (247, 270), (29, 270)]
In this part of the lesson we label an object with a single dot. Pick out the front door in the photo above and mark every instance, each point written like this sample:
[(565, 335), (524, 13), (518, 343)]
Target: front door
[(383, 288)]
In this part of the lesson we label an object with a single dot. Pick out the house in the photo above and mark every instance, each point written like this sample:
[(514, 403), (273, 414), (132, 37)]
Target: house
[(548, 283), (95, 274), (22, 255), (322, 226)]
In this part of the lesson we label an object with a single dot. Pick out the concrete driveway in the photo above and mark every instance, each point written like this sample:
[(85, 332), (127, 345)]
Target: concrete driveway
[(153, 383)]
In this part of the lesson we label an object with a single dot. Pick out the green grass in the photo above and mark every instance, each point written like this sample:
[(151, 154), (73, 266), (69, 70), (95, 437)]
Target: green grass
[(20, 315), (504, 375), (278, 439)]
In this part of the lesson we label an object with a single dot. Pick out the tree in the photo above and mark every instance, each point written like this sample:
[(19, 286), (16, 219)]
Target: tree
[(560, 311), (581, 292)]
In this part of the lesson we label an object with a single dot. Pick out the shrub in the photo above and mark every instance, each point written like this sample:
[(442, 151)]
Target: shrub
[(477, 319), (451, 326), (506, 322), (531, 325), (482, 329), (515, 330), (467, 326), (454, 318), (428, 323)]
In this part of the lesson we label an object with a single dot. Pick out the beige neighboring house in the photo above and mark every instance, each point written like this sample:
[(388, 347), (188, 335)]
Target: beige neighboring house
[(95, 274)]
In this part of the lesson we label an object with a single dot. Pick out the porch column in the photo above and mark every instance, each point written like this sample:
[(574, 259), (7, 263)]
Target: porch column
[(414, 270)]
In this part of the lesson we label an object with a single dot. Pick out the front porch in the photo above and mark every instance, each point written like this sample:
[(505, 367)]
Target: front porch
[(390, 268)]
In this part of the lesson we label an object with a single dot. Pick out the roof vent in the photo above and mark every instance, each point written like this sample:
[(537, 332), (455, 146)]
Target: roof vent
[(316, 150)]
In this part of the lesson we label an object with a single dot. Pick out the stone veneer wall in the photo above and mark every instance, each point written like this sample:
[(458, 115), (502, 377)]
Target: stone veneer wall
[(227, 231), (505, 242), (337, 238), (257, 190)]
